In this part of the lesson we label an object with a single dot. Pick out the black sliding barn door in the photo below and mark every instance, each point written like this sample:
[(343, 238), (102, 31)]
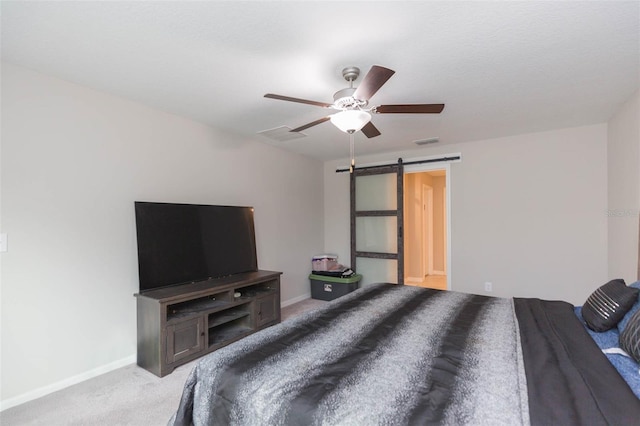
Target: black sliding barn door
[(377, 248)]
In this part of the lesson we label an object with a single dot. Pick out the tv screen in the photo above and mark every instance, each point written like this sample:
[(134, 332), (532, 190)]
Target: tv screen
[(182, 243)]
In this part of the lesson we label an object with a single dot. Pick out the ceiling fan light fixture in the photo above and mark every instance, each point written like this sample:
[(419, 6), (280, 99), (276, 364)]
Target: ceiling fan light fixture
[(350, 121)]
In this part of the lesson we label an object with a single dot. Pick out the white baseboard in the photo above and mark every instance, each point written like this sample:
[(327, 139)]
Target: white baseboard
[(295, 300), (54, 387)]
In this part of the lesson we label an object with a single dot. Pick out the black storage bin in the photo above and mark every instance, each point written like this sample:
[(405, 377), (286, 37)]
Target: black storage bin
[(329, 288)]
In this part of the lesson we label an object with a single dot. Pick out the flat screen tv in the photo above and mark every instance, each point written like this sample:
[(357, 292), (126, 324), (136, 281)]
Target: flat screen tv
[(183, 243)]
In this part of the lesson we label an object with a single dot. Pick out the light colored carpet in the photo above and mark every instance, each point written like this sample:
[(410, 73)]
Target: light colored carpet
[(301, 307), (126, 396)]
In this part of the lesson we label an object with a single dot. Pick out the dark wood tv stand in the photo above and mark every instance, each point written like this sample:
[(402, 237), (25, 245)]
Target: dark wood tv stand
[(181, 323)]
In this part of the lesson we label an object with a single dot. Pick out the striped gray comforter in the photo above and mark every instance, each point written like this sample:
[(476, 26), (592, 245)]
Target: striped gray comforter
[(384, 354), (396, 355)]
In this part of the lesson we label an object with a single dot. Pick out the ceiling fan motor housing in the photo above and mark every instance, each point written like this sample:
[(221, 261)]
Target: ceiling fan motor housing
[(343, 100)]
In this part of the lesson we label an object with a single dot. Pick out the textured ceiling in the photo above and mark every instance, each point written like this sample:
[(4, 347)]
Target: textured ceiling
[(501, 68)]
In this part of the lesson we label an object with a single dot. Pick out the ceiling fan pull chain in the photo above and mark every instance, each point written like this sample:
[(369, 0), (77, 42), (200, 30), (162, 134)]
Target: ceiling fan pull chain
[(352, 150)]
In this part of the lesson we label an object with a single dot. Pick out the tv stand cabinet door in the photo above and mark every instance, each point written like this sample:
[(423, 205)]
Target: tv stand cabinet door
[(185, 339), (267, 309)]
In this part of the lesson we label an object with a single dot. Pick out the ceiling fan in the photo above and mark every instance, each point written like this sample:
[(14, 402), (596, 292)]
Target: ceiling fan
[(352, 103)]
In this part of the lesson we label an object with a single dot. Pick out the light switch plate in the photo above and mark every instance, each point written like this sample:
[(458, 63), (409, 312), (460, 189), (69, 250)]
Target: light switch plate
[(3, 242)]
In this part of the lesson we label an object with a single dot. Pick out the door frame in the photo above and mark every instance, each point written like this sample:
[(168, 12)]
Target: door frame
[(425, 167)]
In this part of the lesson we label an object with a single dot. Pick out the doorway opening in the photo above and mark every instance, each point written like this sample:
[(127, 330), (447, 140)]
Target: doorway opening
[(426, 228)]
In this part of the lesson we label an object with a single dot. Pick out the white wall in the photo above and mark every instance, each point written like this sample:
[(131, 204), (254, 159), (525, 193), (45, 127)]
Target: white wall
[(527, 212), (623, 158), (73, 162)]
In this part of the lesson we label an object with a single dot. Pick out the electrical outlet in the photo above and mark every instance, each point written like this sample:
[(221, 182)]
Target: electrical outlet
[(488, 286)]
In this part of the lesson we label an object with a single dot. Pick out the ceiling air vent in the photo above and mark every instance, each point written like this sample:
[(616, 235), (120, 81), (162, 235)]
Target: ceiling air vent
[(281, 134), (426, 141)]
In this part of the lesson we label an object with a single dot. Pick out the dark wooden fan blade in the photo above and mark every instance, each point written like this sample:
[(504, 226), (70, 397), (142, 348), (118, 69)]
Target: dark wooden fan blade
[(301, 101), (375, 78), (410, 109), (370, 130), (313, 123)]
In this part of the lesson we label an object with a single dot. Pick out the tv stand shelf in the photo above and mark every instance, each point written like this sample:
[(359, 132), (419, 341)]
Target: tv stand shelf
[(197, 307), (181, 323)]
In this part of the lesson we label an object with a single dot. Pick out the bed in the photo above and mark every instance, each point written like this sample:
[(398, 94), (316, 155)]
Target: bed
[(389, 354)]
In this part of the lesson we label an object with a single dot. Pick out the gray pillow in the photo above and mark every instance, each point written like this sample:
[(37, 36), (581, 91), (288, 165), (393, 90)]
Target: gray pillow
[(630, 337), (608, 304), (635, 308)]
